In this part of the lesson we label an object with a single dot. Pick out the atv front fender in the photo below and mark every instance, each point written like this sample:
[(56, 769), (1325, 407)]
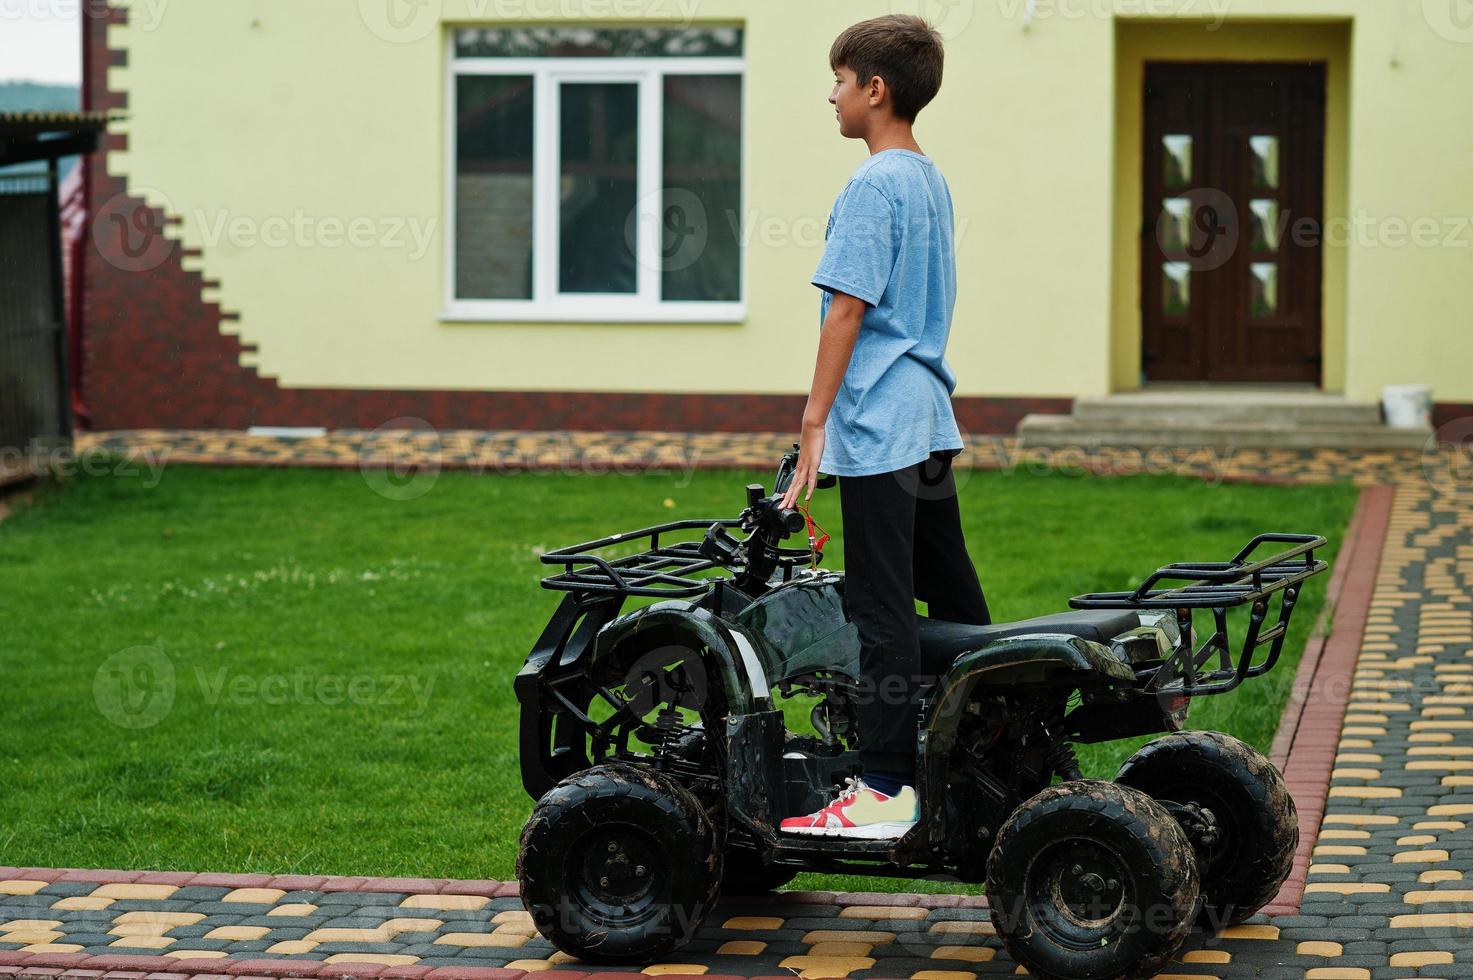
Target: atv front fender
[(555, 685)]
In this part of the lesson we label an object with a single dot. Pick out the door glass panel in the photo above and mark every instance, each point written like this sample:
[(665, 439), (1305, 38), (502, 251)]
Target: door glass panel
[(1176, 151), (1175, 231), (1264, 161), (493, 187), (1263, 213), (1176, 288), (1263, 298), (598, 187), (701, 220)]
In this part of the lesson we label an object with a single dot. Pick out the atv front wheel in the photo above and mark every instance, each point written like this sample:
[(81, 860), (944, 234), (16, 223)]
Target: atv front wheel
[(1256, 826), (1091, 879), (618, 864)]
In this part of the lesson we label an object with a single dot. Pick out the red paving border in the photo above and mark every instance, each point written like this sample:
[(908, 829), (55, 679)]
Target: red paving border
[(1309, 736)]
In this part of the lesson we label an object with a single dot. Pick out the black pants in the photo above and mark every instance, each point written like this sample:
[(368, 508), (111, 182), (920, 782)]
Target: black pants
[(902, 542)]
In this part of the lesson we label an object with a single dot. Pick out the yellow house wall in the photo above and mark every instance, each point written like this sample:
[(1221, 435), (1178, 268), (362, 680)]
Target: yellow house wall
[(252, 110)]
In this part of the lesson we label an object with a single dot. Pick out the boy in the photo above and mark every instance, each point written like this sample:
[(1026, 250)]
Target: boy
[(879, 413)]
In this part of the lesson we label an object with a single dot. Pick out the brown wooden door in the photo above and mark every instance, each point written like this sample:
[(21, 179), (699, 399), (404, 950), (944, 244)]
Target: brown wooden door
[(1232, 217)]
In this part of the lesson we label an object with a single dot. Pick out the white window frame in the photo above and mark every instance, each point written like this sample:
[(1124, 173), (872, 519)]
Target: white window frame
[(547, 305)]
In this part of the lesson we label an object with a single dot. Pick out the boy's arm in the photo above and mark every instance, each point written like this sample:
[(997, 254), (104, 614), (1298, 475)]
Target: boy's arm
[(835, 346)]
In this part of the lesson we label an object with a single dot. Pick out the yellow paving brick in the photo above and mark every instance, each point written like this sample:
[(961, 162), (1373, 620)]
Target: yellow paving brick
[(1428, 856), (501, 936), (198, 954), (21, 886), (841, 949), (294, 908), (826, 966), (1337, 973), (1337, 833), (558, 958), (395, 926), (1350, 757), (1250, 932), (1357, 743), (1456, 780), (1208, 956), (1433, 920), (531, 966), (1441, 750), (1432, 957), (259, 896), (514, 917), (142, 942), (30, 925), (1329, 869), (151, 917), (690, 969), (1319, 949), (970, 954), (130, 892), (288, 947), (962, 928), (1450, 895), (874, 937), (1366, 792), (749, 923), (741, 947), (1372, 730), (51, 948), (1438, 825), (1430, 737), (141, 928), (882, 912), (446, 903), (1439, 765), (249, 933), (1361, 819), (942, 975), (1432, 877), (1424, 726), (1348, 887), (30, 936), (1415, 840), (82, 903), (1356, 774), (1450, 810), (1339, 850), (385, 959)]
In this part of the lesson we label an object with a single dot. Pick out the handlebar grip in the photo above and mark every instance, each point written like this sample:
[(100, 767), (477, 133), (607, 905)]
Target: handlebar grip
[(792, 521)]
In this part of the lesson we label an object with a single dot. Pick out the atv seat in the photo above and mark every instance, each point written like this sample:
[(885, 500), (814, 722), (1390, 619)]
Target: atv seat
[(943, 642)]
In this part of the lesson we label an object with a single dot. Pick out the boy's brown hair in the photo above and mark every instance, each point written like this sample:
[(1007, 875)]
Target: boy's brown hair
[(903, 50)]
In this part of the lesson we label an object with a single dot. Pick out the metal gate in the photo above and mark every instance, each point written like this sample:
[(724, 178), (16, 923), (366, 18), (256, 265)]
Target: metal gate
[(33, 397)]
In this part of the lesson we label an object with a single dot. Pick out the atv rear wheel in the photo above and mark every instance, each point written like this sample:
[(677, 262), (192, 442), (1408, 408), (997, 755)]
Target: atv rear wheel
[(618, 864), (1257, 827), (1091, 879)]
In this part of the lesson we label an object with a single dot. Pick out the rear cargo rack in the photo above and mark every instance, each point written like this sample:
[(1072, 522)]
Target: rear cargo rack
[(1220, 586), (668, 570)]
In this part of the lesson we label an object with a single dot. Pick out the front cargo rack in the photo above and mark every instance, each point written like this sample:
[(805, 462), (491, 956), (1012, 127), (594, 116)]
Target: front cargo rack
[(669, 570), (1220, 586)]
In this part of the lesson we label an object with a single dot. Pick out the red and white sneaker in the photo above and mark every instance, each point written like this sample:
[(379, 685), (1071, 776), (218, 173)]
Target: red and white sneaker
[(860, 811)]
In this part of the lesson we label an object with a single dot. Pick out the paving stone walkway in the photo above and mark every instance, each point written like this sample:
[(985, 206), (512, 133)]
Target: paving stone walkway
[(1377, 746)]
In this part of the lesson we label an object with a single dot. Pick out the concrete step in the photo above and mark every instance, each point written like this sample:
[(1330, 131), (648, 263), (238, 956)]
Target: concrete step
[(1067, 430), (1214, 407)]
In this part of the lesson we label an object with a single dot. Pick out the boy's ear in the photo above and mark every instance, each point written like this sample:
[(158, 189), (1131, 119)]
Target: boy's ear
[(877, 91)]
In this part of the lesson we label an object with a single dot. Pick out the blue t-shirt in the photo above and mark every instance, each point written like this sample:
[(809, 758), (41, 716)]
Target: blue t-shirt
[(889, 243)]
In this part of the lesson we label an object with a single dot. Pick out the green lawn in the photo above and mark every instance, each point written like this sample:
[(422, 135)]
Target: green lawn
[(342, 663)]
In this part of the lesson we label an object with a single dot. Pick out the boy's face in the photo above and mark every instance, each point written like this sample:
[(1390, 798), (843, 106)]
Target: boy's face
[(851, 104)]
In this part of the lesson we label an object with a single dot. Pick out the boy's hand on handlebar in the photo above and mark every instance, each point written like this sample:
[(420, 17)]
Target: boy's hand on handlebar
[(805, 474)]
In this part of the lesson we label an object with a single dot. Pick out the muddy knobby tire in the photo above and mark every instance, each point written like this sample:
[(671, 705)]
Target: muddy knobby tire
[(619, 864), (1254, 811), (1092, 879)]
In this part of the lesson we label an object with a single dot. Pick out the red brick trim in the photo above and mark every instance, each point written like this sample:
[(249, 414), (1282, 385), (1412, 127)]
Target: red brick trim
[(1309, 733)]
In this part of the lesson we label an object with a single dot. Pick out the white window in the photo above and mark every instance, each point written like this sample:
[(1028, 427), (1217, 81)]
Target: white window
[(595, 174)]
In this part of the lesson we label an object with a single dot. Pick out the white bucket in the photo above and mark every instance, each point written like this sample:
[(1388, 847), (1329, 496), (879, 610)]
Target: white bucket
[(1407, 406)]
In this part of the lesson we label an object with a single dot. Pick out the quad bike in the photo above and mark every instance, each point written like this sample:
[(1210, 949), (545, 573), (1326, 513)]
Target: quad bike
[(662, 758)]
